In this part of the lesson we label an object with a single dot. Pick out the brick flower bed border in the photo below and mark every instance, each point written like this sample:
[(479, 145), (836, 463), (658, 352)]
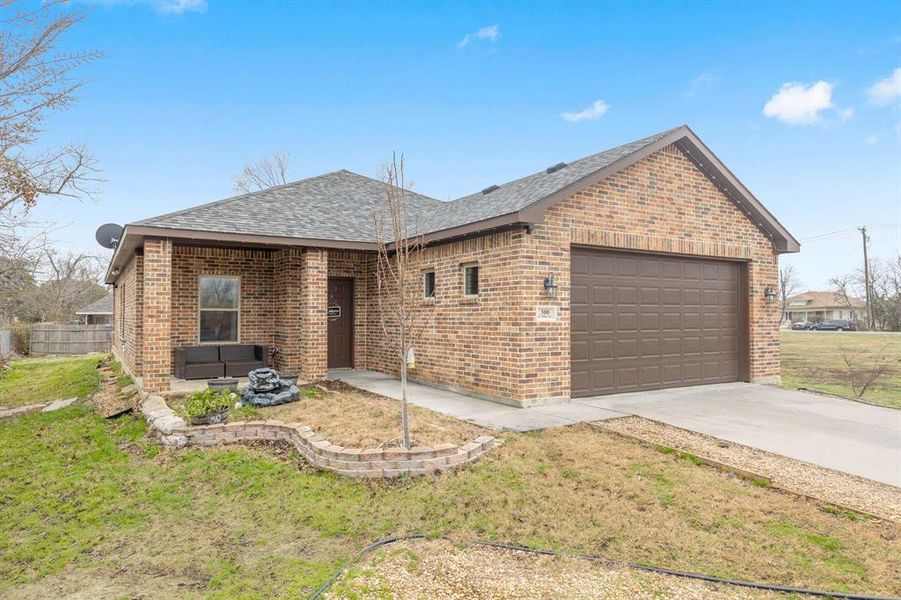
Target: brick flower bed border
[(172, 431)]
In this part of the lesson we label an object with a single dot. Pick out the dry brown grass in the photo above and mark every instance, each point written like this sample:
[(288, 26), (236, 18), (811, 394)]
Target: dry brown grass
[(107, 511), (438, 569), (351, 417)]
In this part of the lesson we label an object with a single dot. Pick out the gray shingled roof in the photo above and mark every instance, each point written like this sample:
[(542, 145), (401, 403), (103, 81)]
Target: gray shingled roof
[(104, 306), (340, 205), (334, 206), (516, 195)]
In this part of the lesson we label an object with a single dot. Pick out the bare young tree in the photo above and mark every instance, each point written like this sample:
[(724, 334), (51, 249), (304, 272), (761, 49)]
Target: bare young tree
[(262, 175), (788, 285), (403, 310), (865, 365)]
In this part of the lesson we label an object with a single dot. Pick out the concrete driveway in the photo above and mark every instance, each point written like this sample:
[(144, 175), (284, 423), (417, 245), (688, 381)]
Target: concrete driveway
[(840, 434)]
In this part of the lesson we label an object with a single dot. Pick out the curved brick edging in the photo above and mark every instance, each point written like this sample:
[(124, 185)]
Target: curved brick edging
[(318, 451)]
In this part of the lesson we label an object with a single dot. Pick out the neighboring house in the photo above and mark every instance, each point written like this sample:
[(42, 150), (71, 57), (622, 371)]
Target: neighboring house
[(99, 312), (665, 267), (819, 306)]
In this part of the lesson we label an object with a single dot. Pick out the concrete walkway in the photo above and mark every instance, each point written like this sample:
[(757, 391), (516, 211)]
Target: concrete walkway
[(475, 410), (839, 434)]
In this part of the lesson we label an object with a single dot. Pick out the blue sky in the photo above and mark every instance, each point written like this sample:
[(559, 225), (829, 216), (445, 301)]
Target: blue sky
[(801, 100)]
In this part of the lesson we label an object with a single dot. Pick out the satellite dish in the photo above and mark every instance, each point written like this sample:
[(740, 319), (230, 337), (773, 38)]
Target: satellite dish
[(109, 235)]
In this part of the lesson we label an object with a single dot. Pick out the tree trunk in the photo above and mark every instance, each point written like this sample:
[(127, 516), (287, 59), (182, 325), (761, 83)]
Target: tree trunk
[(405, 424)]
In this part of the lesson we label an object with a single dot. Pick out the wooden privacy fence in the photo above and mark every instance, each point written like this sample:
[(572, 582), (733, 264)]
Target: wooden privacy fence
[(70, 339)]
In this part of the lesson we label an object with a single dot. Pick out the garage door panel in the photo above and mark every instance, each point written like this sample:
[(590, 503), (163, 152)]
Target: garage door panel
[(602, 294), (627, 321), (579, 294), (646, 322)]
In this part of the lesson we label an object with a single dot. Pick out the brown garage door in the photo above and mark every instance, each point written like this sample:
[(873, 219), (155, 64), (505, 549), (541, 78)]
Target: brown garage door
[(644, 322)]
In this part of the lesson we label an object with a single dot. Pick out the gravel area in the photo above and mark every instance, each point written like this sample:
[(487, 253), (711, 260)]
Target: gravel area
[(835, 487), (442, 570)]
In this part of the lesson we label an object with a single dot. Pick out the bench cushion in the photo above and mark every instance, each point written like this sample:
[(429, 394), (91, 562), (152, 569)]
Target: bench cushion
[(201, 354), (204, 370), (241, 368), (237, 352)]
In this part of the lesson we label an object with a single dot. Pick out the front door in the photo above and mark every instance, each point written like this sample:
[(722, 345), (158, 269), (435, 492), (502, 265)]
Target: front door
[(340, 323)]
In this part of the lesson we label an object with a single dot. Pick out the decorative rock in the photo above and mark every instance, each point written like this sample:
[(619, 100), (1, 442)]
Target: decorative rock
[(58, 404)]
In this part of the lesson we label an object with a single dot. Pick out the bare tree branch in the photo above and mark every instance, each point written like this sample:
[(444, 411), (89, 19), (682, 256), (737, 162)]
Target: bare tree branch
[(35, 81), (267, 173)]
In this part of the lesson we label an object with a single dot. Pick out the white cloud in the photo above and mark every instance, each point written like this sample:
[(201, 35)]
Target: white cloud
[(594, 112), (697, 84), (845, 114), (490, 33), (872, 139), (799, 104), (887, 90)]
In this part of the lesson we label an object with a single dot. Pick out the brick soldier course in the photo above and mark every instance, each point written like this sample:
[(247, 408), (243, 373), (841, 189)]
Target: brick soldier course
[(666, 195)]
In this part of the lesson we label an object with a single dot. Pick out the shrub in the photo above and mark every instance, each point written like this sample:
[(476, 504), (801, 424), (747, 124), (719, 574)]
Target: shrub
[(209, 401), (21, 333)]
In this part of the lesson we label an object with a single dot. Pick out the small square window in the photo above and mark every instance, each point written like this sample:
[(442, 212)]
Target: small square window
[(428, 284), (471, 280)]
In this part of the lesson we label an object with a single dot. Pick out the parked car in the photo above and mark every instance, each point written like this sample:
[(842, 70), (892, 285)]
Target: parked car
[(835, 325), (802, 325)]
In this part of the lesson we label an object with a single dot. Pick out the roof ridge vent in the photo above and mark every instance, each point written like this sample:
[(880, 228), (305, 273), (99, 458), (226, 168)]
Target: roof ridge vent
[(490, 189), (556, 167)]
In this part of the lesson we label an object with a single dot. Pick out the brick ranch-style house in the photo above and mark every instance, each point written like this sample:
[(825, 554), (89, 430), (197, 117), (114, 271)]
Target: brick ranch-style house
[(664, 269)]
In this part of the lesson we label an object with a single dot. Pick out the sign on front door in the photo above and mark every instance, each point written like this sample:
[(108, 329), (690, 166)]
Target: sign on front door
[(334, 312)]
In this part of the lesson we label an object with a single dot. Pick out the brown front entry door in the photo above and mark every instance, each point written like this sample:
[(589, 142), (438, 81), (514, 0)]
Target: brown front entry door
[(340, 323)]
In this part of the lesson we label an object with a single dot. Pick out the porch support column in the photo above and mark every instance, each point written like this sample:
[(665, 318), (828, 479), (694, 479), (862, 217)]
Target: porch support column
[(314, 318), (157, 338)]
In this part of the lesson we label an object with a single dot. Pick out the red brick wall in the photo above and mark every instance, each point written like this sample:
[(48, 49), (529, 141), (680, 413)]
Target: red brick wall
[(157, 341), (471, 344), (314, 321), (128, 297), (255, 268)]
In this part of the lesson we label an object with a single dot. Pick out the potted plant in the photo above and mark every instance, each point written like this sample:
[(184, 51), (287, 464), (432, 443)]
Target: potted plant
[(209, 406), (221, 384)]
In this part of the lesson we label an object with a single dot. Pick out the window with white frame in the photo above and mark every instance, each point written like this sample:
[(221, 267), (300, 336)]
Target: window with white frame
[(428, 284), (471, 280), (220, 308)]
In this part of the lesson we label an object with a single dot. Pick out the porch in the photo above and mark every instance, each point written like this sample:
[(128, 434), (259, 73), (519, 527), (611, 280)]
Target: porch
[(308, 305)]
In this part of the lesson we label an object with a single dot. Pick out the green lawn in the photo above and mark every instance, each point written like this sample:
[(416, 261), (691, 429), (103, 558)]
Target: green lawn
[(814, 359), (33, 380), (93, 506)]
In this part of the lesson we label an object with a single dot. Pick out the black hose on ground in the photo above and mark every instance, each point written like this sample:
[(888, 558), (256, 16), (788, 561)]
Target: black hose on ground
[(608, 561)]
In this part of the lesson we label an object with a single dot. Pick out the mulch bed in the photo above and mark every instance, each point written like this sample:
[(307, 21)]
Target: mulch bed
[(110, 401)]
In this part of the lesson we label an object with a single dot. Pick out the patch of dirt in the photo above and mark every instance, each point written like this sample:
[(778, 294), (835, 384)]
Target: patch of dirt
[(440, 569), (351, 417), (111, 401), (835, 487)]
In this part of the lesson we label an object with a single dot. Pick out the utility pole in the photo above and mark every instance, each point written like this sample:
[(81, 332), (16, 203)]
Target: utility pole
[(866, 276)]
